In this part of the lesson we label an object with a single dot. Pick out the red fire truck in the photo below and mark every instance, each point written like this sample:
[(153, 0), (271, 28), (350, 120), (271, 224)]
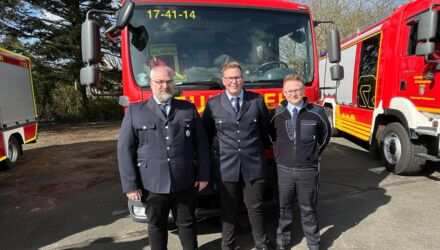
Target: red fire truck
[(196, 38), (390, 95), (18, 123)]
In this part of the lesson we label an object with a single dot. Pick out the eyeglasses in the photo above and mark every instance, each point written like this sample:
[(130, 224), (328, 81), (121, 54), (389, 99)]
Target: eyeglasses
[(292, 91), (231, 79), (161, 82)]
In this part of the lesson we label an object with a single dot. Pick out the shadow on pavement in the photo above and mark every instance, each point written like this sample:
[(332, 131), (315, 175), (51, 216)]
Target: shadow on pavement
[(73, 191), (57, 192)]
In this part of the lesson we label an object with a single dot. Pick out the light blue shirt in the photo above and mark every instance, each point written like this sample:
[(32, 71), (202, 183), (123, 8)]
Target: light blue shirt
[(168, 104), (234, 100), (290, 107)]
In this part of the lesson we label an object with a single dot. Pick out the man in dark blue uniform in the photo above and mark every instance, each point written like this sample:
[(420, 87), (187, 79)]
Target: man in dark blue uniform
[(237, 125), (163, 150), (301, 132)]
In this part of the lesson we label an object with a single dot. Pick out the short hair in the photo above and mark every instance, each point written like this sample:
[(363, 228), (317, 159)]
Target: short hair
[(293, 77), (232, 65), (168, 69)]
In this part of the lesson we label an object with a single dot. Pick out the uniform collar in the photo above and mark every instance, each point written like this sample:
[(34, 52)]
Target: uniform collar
[(230, 96), (290, 106), (159, 103)]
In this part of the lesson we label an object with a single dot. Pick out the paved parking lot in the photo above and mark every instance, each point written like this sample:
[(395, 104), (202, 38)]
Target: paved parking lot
[(361, 206)]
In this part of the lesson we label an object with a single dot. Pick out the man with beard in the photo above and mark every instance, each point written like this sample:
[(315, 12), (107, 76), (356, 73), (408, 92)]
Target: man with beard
[(163, 156)]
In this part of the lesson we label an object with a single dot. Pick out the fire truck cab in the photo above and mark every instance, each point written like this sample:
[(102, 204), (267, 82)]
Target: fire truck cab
[(390, 96)]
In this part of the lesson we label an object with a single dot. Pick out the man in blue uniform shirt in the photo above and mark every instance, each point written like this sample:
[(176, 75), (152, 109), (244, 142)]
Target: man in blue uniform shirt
[(163, 151), (301, 132)]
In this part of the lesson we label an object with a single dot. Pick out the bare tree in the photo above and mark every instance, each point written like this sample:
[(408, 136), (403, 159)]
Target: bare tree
[(349, 15)]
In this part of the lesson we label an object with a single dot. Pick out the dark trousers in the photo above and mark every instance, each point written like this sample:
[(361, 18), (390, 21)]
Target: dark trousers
[(182, 205), (230, 193), (303, 186)]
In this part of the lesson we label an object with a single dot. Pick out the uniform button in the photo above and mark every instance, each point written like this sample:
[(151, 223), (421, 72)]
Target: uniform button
[(168, 159), (144, 127), (166, 127), (219, 121), (238, 131), (168, 148), (167, 137), (238, 122), (238, 140), (255, 120), (239, 149), (139, 164)]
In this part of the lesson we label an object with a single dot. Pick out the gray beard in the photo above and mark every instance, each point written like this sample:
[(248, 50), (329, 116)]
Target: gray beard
[(163, 98)]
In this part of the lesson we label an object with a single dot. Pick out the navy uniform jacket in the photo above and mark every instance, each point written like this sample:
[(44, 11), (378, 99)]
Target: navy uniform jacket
[(237, 141), (160, 154), (299, 145)]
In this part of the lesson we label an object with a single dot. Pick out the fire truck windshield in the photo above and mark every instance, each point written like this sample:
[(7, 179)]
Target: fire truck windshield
[(197, 41)]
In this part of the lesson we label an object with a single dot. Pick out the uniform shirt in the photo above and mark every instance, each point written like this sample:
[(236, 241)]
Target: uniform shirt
[(234, 100), (168, 104), (290, 106)]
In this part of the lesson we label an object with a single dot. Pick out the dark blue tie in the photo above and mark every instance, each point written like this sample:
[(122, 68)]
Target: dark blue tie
[(237, 105), (163, 107), (294, 115)]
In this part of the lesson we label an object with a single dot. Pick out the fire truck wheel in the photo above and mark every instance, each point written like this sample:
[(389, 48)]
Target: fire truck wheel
[(329, 113), (14, 150), (399, 152)]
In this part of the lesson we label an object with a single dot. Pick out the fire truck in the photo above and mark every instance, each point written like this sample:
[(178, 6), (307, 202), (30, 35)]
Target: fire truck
[(18, 116), (390, 94), (270, 39)]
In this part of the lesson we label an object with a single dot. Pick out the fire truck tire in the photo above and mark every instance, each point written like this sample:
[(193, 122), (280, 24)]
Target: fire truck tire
[(14, 151), (398, 150), (329, 113)]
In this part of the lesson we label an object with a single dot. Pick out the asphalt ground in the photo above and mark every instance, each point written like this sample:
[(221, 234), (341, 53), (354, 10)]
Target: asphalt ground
[(361, 206)]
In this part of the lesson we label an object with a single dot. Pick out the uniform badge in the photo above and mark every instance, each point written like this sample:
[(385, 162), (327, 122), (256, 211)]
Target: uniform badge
[(188, 133)]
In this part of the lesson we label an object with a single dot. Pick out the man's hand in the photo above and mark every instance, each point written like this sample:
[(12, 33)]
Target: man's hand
[(201, 184), (134, 195)]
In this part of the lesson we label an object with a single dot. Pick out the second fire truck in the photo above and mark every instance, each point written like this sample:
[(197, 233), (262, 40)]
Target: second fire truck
[(18, 116), (390, 95)]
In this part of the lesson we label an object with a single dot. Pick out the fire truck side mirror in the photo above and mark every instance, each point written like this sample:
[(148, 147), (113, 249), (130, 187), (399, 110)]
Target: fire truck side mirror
[(426, 31), (89, 75), (90, 42), (333, 47), (337, 72), (124, 14)]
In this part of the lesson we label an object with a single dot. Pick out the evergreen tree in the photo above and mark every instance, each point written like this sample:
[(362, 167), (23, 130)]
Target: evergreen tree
[(50, 33)]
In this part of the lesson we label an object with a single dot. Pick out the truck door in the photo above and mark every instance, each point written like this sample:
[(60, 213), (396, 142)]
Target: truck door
[(418, 78)]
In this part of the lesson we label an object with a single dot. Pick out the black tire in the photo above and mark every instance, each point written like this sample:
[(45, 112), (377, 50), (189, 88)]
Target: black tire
[(398, 151), (329, 113), (14, 151)]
